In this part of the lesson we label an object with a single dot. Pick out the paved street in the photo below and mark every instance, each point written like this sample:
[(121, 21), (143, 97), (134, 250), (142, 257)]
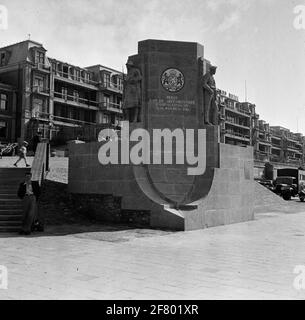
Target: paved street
[(253, 260)]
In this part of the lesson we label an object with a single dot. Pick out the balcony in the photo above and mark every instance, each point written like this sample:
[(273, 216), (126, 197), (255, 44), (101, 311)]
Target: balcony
[(57, 120), (237, 135), (261, 156), (42, 67), (112, 86), (234, 122), (264, 142), (41, 90), (75, 101), (294, 161), (238, 112), (113, 107), (73, 79), (293, 149), (277, 147)]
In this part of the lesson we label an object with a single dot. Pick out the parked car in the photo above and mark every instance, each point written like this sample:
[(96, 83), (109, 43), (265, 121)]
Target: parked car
[(266, 183), (286, 187)]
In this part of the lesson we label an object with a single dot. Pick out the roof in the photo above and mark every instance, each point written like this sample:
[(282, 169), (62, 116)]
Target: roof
[(17, 43), (104, 67)]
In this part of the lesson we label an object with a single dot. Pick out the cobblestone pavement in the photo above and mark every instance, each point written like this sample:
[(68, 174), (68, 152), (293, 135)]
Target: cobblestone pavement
[(253, 260)]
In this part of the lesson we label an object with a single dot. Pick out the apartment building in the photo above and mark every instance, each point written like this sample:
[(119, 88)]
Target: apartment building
[(236, 120), (240, 125), (57, 97), (7, 113)]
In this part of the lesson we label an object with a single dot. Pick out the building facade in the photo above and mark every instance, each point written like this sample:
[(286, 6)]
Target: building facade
[(240, 125), (58, 98), (66, 102), (237, 120), (7, 113)]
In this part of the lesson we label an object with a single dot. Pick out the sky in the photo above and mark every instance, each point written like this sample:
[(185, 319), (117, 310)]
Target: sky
[(252, 41)]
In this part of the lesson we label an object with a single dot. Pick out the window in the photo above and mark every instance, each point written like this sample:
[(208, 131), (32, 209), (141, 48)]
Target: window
[(3, 102), (39, 84), (39, 106), (77, 75), (64, 92), (39, 57), (105, 119), (3, 129), (2, 59), (106, 80), (76, 95), (106, 101)]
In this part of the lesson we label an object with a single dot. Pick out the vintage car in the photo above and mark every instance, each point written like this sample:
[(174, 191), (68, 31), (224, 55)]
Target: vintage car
[(286, 187)]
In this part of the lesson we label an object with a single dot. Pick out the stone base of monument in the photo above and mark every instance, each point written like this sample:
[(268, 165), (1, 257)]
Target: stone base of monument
[(228, 200), (222, 195)]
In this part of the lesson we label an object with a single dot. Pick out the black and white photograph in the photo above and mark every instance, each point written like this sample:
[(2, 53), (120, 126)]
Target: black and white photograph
[(152, 150)]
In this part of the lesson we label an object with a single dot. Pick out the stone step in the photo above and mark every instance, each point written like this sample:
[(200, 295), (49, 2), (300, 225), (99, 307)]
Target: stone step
[(5, 180), (10, 188), (9, 229), (11, 212), (11, 223), (10, 217), (4, 196), (11, 207), (12, 191), (8, 201)]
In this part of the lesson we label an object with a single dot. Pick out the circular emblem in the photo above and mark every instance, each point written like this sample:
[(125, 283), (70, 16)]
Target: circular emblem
[(172, 80)]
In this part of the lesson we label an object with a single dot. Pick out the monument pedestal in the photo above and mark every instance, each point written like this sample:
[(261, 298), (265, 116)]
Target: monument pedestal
[(165, 78)]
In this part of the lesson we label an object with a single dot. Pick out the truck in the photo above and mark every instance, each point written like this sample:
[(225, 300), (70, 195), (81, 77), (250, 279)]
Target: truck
[(289, 183)]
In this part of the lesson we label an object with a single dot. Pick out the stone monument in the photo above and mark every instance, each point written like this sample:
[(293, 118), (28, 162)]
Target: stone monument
[(185, 178)]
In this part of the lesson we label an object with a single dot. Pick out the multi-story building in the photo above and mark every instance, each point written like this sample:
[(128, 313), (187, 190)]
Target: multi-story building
[(291, 146), (240, 125), (7, 113), (235, 119), (63, 100), (55, 96)]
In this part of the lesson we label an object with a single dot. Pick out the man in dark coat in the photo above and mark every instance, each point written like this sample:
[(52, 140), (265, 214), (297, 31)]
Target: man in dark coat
[(29, 191), (36, 139)]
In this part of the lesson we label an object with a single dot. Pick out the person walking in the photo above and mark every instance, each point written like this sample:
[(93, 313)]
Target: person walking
[(29, 192), (22, 154)]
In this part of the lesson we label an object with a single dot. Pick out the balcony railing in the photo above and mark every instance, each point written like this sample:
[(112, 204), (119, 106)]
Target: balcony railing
[(39, 89), (237, 134), (113, 86), (51, 118), (74, 77), (235, 122), (111, 105), (42, 66), (75, 99)]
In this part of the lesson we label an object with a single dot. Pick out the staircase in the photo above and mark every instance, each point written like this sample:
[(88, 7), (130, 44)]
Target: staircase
[(10, 205)]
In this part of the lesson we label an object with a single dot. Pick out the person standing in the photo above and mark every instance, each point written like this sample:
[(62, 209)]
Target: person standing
[(36, 139), (22, 154), (29, 192)]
